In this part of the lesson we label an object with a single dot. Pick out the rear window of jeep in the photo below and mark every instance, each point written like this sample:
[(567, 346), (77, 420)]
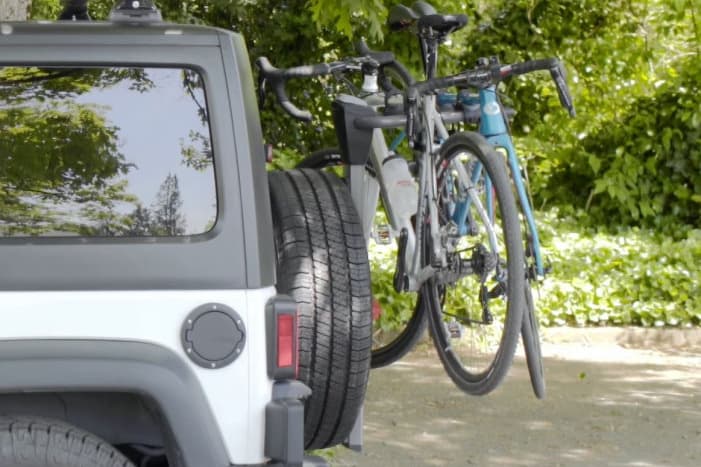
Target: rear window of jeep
[(104, 152)]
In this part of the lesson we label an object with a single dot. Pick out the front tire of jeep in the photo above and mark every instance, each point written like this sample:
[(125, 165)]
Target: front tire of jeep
[(41, 442), (322, 263)]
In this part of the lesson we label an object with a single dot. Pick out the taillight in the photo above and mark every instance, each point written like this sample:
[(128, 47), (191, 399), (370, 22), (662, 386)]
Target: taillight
[(281, 329), (285, 340)]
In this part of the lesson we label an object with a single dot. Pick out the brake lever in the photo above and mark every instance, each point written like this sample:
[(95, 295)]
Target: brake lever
[(559, 75)]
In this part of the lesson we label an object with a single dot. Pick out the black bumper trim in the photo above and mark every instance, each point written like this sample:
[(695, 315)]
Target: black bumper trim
[(284, 425)]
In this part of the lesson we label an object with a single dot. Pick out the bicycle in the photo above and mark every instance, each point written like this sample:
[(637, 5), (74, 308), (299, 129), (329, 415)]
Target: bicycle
[(432, 257), (383, 73), (493, 124), (486, 110)]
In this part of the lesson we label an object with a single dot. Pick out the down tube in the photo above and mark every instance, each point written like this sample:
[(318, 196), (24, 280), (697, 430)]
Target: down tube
[(504, 141)]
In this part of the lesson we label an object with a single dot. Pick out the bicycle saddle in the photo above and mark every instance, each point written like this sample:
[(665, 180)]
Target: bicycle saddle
[(444, 24), (401, 17), (423, 9)]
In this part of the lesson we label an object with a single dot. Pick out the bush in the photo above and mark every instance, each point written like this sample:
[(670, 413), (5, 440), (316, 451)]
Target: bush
[(646, 168), (619, 276), (622, 276)]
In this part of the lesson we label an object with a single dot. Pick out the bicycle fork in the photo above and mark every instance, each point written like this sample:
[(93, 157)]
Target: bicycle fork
[(494, 127)]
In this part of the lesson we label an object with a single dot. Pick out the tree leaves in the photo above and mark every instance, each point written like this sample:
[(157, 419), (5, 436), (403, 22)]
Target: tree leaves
[(348, 16)]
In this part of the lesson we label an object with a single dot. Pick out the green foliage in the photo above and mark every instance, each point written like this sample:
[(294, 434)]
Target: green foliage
[(631, 156), (619, 276), (647, 168), (62, 151), (397, 308), (350, 15), (167, 217)]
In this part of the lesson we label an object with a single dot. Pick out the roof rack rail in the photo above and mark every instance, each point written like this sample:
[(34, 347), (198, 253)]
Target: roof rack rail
[(135, 11)]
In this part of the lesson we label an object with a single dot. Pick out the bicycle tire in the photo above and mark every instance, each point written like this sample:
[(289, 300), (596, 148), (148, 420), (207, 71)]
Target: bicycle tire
[(466, 372), (405, 341), (398, 76), (531, 344), (384, 353), (530, 333)]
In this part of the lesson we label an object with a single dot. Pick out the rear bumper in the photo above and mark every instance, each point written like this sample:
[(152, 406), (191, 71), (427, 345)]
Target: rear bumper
[(284, 427), (284, 423)]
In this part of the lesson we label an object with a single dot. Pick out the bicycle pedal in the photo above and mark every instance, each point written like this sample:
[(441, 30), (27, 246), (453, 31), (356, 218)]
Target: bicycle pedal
[(382, 234)]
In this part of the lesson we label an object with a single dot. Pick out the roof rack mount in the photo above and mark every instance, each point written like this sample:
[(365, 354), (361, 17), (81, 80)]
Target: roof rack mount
[(135, 11)]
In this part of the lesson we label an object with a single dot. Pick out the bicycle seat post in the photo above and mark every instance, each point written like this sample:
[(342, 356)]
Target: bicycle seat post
[(433, 30), (429, 42)]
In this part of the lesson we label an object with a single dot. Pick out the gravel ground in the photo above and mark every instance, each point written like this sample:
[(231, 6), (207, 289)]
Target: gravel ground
[(616, 397)]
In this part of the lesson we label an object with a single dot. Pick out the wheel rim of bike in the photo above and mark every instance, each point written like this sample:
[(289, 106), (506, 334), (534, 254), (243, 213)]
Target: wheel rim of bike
[(476, 352)]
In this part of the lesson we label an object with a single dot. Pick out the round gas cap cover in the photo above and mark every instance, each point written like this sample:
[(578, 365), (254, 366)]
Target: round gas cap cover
[(213, 335)]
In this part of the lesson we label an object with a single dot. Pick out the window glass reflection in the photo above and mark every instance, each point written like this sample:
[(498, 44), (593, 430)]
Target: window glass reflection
[(104, 152)]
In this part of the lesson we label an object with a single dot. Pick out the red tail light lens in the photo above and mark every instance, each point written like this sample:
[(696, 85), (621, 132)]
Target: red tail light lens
[(282, 338), (285, 340)]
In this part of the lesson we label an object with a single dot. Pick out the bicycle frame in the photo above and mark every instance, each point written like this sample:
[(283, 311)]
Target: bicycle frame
[(494, 128), (366, 191)]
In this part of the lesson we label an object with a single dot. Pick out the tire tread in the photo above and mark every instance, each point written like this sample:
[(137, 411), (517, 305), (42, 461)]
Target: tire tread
[(322, 264)]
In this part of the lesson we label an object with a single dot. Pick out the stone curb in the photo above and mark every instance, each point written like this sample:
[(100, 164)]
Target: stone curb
[(631, 337)]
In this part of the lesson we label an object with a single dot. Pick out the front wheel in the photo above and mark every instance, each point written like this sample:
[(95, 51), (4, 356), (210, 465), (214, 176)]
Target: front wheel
[(531, 345), (475, 301)]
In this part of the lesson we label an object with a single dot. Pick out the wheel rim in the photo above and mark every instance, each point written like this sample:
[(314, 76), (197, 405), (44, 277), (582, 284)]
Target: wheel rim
[(475, 305)]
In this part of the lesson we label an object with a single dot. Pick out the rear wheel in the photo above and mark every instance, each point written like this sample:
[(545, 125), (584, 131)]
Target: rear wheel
[(41, 442), (476, 300), (402, 320), (322, 264)]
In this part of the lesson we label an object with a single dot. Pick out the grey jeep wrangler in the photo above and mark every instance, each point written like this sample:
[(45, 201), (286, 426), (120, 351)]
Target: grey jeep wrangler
[(164, 300)]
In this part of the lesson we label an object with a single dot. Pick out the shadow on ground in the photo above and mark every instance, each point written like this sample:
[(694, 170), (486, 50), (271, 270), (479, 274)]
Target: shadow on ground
[(606, 405)]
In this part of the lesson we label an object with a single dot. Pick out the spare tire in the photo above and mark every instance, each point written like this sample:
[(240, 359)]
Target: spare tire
[(322, 263)]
